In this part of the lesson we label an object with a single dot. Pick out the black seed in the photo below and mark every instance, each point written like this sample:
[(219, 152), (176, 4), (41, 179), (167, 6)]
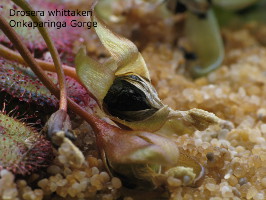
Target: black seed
[(124, 96)]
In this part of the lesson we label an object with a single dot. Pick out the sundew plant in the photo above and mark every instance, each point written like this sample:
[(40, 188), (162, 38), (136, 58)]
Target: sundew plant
[(81, 125)]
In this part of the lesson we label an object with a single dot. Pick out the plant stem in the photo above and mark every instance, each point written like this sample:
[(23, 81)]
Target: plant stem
[(25, 53), (47, 66), (94, 121), (57, 62)]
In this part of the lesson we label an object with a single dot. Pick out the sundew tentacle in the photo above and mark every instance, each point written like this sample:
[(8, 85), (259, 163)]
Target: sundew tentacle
[(22, 84), (22, 148)]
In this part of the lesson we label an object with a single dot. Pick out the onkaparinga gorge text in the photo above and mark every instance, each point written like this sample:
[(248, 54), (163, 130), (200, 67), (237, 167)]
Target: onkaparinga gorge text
[(52, 24)]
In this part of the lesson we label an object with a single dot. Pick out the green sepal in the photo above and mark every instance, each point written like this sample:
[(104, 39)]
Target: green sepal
[(151, 124), (122, 50), (96, 77)]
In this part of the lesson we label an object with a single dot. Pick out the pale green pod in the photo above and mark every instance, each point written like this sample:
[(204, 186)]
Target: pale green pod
[(206, 41)]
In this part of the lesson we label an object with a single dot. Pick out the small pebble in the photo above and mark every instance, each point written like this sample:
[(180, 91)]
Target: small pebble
[(116, 183)]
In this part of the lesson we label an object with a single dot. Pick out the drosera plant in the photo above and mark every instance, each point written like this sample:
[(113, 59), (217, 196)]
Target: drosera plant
[(143, 155), (27, 141)]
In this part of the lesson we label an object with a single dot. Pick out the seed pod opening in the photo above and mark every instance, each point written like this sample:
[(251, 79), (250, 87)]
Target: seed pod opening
[(131, 98)]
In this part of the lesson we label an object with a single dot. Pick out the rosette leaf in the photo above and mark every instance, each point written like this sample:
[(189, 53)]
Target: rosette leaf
[(21, 83), (22, 149)]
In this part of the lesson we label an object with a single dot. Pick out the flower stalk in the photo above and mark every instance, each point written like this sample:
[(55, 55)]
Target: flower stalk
[(47, 66), (54, 53)]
